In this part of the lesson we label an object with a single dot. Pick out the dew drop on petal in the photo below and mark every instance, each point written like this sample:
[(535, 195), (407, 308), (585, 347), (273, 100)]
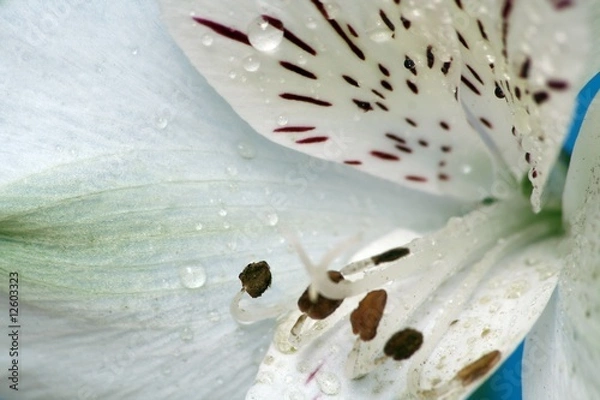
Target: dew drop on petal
[(186, 334), (263, 36), (380, 35), (272, 219), (207, 40), (311, 23), (232, 171), (192, 277), (223, 212), (246, 150), (232, 74), (251, 63), (282, 120), (328, 383), (199, 226)]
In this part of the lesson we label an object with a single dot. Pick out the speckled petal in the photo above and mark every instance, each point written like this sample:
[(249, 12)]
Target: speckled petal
[(451, 97)]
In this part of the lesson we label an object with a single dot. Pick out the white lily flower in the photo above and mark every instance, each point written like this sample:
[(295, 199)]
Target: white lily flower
[(132, 195)]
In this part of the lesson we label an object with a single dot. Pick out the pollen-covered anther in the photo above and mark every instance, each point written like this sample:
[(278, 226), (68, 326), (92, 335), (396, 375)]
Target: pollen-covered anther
[(321, 307), (479, 367), (403, 344), (365, 319), (256, 278)]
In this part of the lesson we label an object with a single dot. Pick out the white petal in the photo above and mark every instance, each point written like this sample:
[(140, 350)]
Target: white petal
[(497, 316), (123, 180), (563, 351), (512, 65)]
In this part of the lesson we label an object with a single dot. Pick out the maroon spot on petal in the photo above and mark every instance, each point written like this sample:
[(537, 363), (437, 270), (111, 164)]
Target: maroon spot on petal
[(445, 125), (430, 57), (423, 143), (475, 74), (415, 178), (458, 4), (518, 92), (223, 30), (387, 21), (528, 157), (443, 177), (363, 105), (482, 30), (384, 70), (405, 22), (446, 67), (298, 70), (312, 375), (446, 149), (534, 173), (353, 162), (395, 138), (540, 97), (351, 30), (385, 156), (557, 84), (525, 67), (410, 122), (305, 99), (486, 122), (313, 139), (442, 164), (377, 93), (413, 87), (350, 80), (462, 40), (294, 129), (560, 5), (382, 106), (470, 85), (386, 85), (403, 148)]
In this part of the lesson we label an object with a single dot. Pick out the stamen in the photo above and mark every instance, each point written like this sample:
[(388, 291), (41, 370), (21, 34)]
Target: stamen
[(460, 243), (256, 279), (365, 319), (321, 307), (403, 344)]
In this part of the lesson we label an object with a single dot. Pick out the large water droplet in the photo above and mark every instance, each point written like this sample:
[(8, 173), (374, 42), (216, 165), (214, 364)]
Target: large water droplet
[(328, 383), (251, 63), (192, 277), (263, 36), (246, 150)]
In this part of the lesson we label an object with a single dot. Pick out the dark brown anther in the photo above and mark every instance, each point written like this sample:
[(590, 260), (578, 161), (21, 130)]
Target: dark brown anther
[(479, 368), (256, 278), (403, 344), (365, 319), (390, 255), (322, 307)]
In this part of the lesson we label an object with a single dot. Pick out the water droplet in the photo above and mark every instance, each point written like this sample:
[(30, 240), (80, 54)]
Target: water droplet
[(135, 51), (263, 36), (272, 219), (207, 39), (226, 225), (328, 383), (282, 120), (301, 60), (231, 170), (166, 370), (466, 169), (380, 35), (530, 261), (246, 150), (251, 63), (160, 122), (232, 74), (223, 212), (311, 23), (199, 226), (214, 316), (333, 10), (192, 277), (186, 334)]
